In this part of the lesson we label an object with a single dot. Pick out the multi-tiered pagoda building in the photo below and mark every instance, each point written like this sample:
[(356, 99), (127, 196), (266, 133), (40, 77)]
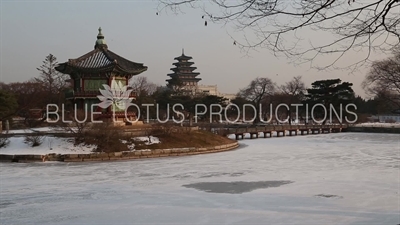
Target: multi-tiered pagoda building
[(183, 74), (91, 71)]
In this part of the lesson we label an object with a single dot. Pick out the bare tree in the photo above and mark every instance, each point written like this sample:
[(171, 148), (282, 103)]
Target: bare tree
[(281, 25), (295, 87), (257, 91), (294, 91), (142, 86), (4, 139), (176, 85), (80, 126), (383, 79)]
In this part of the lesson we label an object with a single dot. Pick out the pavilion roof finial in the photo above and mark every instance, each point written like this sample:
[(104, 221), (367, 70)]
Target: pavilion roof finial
[(100, 40), (183, 51), (100, 35)]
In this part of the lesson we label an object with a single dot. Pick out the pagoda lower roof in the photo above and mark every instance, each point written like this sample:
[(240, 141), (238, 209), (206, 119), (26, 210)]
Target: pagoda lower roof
[(183, 68), (187, 79), (101, 60), (183, 74)]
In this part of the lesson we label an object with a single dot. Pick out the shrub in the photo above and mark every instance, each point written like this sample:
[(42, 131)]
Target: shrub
[(78, 129), (4, 140), (107, 138), (35, 140)]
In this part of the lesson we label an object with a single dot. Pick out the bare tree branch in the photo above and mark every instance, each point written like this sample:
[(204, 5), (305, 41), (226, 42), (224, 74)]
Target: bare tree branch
[(282, 26)]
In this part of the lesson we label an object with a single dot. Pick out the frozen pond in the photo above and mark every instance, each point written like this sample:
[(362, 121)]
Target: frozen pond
[(345, 178)]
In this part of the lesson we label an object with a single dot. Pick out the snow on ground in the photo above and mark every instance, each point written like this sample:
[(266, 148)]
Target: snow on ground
[(39, 129), (148, 140), (49, 145), (393, 125), (341, 178), (60, 146)]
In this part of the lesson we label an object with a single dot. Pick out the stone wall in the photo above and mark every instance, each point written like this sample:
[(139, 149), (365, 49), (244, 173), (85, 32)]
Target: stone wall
[(139, 154)]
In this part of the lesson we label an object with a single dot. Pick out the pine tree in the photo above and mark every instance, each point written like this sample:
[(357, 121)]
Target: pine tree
[(329, 93), (53, 81), (8, 104)]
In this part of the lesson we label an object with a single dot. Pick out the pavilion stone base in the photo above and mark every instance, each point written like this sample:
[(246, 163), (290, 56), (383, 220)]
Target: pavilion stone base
[(122, 121)]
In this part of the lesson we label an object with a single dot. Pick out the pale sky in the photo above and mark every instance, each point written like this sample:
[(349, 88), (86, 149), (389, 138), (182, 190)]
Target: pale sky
[(30, 30)]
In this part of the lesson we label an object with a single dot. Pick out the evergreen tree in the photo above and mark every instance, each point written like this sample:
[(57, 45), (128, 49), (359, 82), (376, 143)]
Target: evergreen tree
[(8, 104), (53, 81), (329, 93)]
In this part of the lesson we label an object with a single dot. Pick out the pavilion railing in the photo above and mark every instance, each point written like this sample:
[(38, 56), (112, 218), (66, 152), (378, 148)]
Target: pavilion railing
[(88, 94)]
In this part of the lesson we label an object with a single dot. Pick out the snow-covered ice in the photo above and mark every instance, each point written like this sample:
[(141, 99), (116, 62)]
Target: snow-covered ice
[(342, 178)]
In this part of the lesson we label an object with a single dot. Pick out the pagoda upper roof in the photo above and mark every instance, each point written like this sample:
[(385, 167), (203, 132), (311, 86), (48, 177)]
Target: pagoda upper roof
[(183, 57), (101, 60)]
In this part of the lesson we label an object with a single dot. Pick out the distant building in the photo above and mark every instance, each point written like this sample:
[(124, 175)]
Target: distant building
[(228, 96), (213, 90), (183, 73), (207, 89)]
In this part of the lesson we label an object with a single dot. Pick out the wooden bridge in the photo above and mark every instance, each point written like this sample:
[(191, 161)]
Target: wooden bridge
[(280, 130)]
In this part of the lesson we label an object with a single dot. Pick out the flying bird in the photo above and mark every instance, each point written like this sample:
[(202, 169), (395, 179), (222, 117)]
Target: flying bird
[(157, 13), (205, 23), (234, 42), (202, 17)]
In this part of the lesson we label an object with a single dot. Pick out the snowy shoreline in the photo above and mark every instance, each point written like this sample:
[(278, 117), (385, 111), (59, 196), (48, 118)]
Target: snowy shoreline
[(59, 145), (64, 145)]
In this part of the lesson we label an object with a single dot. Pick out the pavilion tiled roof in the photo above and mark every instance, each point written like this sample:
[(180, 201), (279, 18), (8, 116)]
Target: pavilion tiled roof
[(101, 60), (96, 59)]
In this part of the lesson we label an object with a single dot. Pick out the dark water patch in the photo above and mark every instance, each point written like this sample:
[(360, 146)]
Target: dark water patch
[(181, 176), (236, 174), (4, 204), (328, 196), (147, 174), (237, 187), (222, 174), (214, 175)]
